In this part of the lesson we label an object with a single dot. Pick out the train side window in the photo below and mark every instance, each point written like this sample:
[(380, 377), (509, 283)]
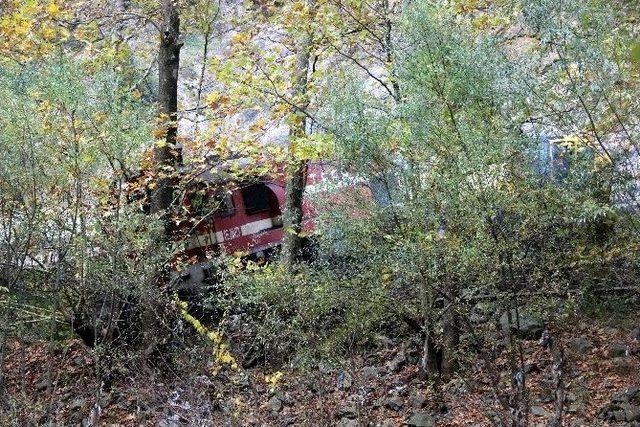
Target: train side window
[(224, 203), (255, 198), (220, 203)]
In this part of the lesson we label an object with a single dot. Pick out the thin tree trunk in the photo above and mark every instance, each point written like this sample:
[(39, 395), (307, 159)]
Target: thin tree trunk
[(203, 69), (4, 332), (53, 331), (165, 152), (296, 173), (293, 214), (450, 330), (450, 342), (557, 371)]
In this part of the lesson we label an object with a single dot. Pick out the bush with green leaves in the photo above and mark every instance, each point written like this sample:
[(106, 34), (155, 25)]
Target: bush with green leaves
[(72, 133), (469, 221)]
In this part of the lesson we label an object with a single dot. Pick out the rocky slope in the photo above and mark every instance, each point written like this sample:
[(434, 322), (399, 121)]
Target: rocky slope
[(377, 388)]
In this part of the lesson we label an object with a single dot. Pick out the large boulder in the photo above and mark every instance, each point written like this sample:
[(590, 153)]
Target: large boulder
[(394, 402), (397, 362), (275, 404), (369, 372), (526, 327), (348, 410), (539, 411), (421, 419), (629, 395), (624, 406), (581, 346), (348, 422), (617, 349), (418, 401)]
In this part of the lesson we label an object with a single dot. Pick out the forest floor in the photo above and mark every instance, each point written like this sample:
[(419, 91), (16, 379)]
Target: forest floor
[(380, 388)]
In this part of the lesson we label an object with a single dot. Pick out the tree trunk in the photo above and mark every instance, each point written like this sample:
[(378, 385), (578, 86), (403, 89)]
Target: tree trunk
[(450, 343), (293, 215), (4, 332), (296, 170), (165, 159), (165, 152)]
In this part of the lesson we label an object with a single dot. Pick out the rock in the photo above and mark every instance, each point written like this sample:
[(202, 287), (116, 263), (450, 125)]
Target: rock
[(581, 345), (290, 421), (106, 399), (581, 392), (235, 322), (244, 381), (312, 385), (632, 413), (619, 416), (344, 381), (348, 422), (478, 318), (323, 369), (623, 365), (635, 334), (529, 327), (286, 398), (624, 406), (369, 372), (413, 358), (421, 419), (397, 362), (394, 403), (574, 407), (606, 412), (418, 401), (77, 404), (539, 411), (275, 404), (547, 397), (611, 330), (78, 361), (378, 402), (227, 406), (617, 349), (629, 395), (348, 411), (42, 385), (383, 341)]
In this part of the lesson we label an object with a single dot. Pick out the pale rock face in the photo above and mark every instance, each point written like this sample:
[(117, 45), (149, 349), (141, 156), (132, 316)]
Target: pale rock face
[(278, 134), (194, 121), (233, 127)]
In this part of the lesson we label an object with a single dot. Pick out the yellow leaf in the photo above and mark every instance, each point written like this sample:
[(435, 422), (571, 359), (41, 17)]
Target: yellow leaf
[(53, 9), (240, 38)]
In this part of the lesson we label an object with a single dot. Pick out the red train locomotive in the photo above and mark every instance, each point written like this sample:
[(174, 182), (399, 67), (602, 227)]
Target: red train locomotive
[(242, 218)]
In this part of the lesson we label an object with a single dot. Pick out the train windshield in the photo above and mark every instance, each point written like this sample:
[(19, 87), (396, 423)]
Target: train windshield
[(256, 198)]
